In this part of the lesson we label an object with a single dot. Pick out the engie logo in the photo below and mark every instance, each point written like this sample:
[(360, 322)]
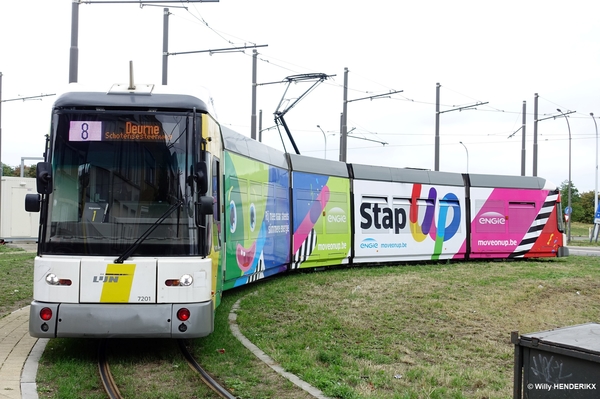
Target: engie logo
[(336, 215), (493, 218), (369, 243)]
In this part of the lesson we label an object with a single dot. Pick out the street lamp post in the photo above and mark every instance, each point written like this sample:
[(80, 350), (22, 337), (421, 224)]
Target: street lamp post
[(463, 144), (596, 180), (324, 138), (569, 203), (596, 225)]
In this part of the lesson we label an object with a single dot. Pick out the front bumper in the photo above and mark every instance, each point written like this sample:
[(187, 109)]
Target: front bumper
[(121, 320)]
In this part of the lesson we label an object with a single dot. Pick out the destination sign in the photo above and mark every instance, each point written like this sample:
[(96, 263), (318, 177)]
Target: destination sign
[(131, 131)]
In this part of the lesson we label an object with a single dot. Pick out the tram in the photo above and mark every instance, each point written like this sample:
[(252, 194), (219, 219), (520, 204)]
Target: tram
[(149, 210)]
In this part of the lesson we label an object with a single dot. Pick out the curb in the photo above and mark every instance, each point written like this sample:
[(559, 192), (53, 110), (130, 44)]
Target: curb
[(29, 374), (266, 358)]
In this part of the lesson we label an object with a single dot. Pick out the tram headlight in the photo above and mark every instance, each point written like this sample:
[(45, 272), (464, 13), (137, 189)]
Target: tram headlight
[(52, 279), (186, 280)]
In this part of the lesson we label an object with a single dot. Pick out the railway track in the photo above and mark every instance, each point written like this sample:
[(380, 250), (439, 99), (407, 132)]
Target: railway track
[(105, 375), (220, 390), (113, 391)]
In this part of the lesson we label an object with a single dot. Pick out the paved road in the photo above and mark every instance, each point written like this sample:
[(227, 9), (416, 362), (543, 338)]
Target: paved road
[(584, 251)]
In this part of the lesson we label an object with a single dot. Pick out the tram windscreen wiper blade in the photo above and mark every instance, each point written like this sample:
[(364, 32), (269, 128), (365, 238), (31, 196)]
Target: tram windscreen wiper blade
[(154, 225)]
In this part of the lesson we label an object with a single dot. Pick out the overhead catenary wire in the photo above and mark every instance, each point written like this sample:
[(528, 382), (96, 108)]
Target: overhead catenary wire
[(295, 68), (299, 69)]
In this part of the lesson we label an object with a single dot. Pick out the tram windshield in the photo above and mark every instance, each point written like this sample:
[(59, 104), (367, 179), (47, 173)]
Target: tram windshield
[(115, 174)]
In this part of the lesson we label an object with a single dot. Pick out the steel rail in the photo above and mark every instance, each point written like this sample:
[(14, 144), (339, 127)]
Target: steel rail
[(207, 379), (105, 375)]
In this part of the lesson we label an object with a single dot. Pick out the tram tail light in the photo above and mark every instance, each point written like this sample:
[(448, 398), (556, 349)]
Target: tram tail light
[(183, 314), (46, 314)]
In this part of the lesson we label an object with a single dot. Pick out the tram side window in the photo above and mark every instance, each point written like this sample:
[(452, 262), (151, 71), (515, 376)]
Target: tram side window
[(371, 215), (339, 224), (306, 199), (66, 186), (239, 192), (452, 211), (256, 202), (400, 219), (520, 216), (489, 221)]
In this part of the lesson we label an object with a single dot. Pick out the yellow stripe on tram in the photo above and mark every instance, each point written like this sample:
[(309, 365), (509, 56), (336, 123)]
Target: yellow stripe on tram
[(118, 280)]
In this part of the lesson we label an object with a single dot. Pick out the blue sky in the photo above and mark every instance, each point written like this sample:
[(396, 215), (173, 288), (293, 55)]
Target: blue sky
[(500, 53)]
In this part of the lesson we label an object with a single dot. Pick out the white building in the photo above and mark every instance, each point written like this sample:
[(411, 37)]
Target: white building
[(15, 222)]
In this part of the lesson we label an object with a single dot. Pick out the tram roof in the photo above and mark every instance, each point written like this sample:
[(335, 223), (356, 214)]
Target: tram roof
[(301, 163), (406, 175), (156, 97), (240, 144), (503, 181)]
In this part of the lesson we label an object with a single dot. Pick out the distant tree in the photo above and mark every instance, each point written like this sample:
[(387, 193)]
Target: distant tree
[(587, 205), (31, 171), (8, 170), (577, 214)]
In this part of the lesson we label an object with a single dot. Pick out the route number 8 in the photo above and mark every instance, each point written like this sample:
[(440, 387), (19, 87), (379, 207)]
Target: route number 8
[(84, 131)]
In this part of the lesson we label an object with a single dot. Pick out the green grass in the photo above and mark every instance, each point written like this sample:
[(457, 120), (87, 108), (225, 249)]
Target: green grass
[(580, 229), (580, 233), (434, 331), (413, 331), (16, 279)]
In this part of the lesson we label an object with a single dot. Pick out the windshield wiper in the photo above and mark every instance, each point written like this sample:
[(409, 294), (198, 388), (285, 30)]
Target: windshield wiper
[(154, 225)]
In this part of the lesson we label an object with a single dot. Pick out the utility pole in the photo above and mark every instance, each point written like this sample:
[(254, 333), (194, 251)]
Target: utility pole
[(344, 126), (570, 183), (596, 224), (1, 166), (344, 119), (74, 51), (436, 151), (165, 57), (596, 178), (535, 143), (254, 84), (523, 140), (253, 115), (522, 128), (437, 122)]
